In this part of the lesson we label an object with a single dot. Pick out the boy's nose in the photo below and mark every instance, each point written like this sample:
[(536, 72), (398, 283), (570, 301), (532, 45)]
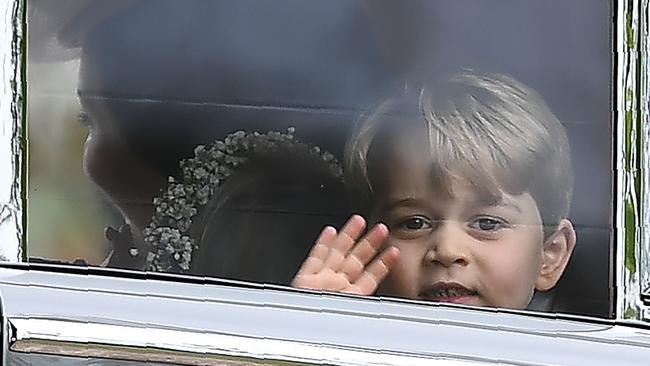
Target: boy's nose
[(447, 246)]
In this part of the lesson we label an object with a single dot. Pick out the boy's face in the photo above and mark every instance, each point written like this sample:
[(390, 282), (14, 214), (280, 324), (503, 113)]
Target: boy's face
[(461, 248)]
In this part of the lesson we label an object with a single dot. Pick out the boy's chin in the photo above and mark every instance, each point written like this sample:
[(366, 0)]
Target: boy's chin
[(471, 300)]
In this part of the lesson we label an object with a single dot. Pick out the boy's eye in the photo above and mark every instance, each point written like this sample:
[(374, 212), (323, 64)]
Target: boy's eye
[(487, 224), (415, 223)]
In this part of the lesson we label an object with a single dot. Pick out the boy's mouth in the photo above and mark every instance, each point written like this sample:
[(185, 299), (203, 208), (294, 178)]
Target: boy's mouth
[(448, 292)]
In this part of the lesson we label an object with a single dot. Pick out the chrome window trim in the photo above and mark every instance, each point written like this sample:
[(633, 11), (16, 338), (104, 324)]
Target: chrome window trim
[(151, 344), (632, 161), (623, 58), (643, 88), (12, 113)]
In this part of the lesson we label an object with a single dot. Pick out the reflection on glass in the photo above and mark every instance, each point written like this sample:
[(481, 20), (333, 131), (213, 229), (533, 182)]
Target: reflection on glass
[(217, 137)]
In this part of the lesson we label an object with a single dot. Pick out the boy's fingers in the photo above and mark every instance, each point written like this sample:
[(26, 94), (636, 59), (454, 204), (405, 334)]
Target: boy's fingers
[(363, 252), (370, 279), (323, 243), (346, 238), (318, 252)]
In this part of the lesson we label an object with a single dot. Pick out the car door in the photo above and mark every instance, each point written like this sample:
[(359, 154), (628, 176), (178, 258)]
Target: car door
[(138, 231)]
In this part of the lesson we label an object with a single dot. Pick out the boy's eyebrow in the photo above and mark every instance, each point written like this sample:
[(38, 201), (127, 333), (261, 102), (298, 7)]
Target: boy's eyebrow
[(413, 202), (504, 203), (393, 203)]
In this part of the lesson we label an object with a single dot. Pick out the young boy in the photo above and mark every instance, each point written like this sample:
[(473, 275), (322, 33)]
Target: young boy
[(469, 184)]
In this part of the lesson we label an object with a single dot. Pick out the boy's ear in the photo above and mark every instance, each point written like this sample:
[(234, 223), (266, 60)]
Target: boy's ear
[(556, 253)]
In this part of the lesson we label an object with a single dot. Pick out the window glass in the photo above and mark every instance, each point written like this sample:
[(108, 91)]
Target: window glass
[(219, 138)]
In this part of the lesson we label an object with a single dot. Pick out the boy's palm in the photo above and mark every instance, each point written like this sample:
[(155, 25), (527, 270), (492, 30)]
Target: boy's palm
[(339, 261)]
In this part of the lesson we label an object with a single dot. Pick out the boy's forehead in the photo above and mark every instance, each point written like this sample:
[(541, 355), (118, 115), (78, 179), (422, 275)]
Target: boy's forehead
[(416, 156), (412, 169), (410, 181), (457, 192), (406, 137)]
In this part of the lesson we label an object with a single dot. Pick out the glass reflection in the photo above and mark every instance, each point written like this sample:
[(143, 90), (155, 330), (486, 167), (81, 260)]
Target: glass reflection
[(163, 87)]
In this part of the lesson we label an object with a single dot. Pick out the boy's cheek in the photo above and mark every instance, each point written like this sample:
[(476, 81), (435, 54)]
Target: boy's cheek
[(403, 278), (510, 280), (395, 285)]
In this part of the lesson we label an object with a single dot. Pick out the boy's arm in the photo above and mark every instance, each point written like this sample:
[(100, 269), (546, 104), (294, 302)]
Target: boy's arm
[(340, 261)]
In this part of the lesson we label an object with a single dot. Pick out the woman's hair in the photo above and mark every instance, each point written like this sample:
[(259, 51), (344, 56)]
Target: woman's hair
[(489, 129)]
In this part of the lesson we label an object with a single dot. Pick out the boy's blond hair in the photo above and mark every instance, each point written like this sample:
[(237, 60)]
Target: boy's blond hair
[(490, 129)]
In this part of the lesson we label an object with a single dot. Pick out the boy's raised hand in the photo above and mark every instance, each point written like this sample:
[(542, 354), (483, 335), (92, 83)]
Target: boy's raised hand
[(339, 261)]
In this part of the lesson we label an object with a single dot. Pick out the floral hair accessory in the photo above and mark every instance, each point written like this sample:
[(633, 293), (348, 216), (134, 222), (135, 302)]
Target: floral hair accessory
[(170, 246)]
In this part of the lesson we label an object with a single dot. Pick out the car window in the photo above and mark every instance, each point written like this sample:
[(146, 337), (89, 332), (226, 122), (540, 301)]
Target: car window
[(442, 151)]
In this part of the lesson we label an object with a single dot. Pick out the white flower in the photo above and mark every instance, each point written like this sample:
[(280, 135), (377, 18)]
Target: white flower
[(171, 250)]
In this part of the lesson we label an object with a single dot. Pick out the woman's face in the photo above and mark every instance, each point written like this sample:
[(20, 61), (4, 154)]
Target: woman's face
[(267, 64), (109, 161)]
